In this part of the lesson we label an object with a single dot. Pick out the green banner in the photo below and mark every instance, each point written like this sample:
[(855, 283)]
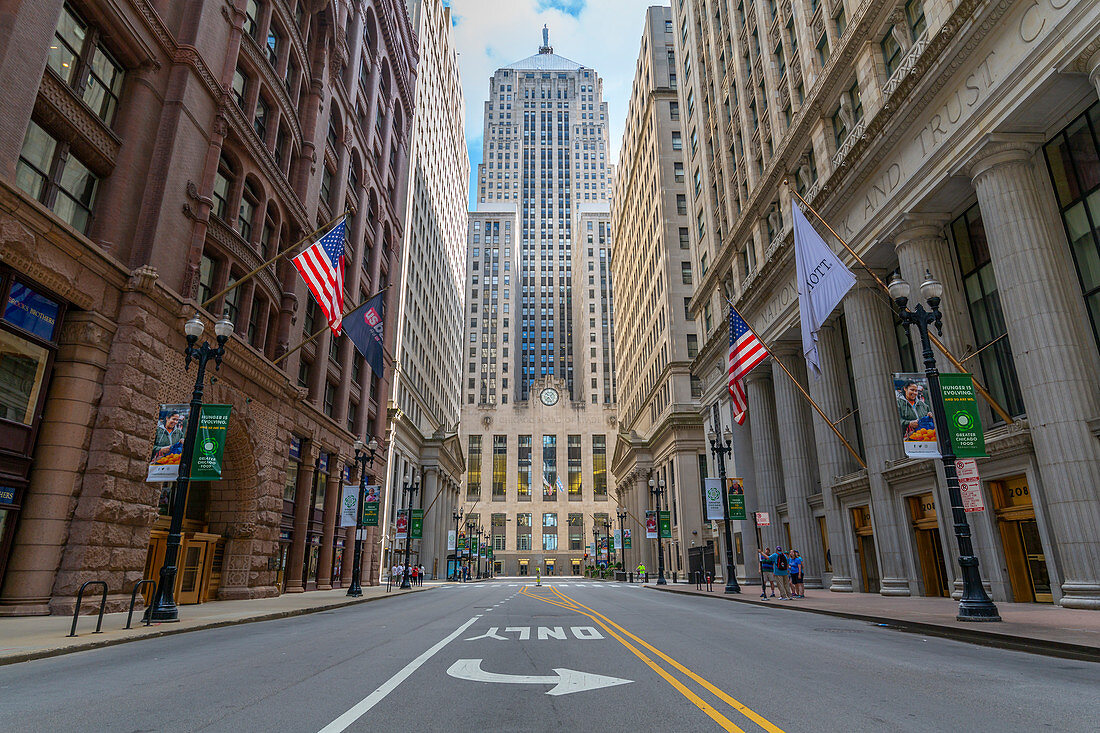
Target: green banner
[(473, 547), (626, 539), (735, 493), (416, 524), (964, 426), (664, 524), (370, 513), (206, 462)]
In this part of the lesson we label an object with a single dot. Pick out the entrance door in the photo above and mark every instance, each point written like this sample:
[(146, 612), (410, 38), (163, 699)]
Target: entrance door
[(523, 567), (191, 571), (576, 567), (865, 549), (550, 567), (1024, 555), (926, 533)]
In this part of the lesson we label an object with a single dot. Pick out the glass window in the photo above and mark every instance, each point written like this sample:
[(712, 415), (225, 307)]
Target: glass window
[(891, 52), (22, 372), (549, 467), (247, 211), (523, 519), (549, 542), (500, 466), (272, 46), (549, 519), (914, 15), (984, 303), (473, 468), (599, 466), (574, 457), (50, 172), (222, 182), (68, 42), (32, 172), (260, 120), (104, 84), (524, 483), (685, 272), (252, 17), (240, 85)]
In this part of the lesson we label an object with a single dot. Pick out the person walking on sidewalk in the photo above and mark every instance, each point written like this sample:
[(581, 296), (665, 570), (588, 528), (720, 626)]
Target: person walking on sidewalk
[(766, 568), (421, 573), (781, 568), (798, 587)]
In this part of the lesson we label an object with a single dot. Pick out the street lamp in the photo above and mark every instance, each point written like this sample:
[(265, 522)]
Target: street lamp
[(657, 487), (164, 605), (607, 536), (974, 605), (363, 458), (410, 488), (622, 533), (470, 527), (457, 516), (480, 549), (722, 448), (596, 545)]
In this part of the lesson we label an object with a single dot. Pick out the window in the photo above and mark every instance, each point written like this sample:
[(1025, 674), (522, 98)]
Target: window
[(524, 483), (914, 16), (240, 86), (681, 204), (599, 466), (273, 41), (523, 519), (473, 468), (206, 278), (674, 110), (259, 122), (549, 467), (330, 397), (677, 143), (685, 241), (823, 49), (249, 201), (696, 388), (1073, 158), (549, 519), (841, 21), (984, 303), (85, 65), (326, 184), (549, 541), (692, 345), (500, 466), (523, 542), (574, 458), (51, 173), (252, 17), (576, 531), (223, 179), (685, 272), (891, 51), (678, 171)]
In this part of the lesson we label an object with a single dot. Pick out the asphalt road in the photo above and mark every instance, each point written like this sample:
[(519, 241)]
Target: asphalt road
[(573, 656)]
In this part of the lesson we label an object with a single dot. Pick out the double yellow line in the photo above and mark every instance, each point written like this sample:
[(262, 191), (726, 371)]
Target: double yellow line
[(571, 604)]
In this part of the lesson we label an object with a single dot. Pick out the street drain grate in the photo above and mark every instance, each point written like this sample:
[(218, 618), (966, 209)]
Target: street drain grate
[(840, 631)]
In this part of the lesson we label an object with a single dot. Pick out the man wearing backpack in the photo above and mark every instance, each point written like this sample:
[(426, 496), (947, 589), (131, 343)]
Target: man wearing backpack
[(782, 571)]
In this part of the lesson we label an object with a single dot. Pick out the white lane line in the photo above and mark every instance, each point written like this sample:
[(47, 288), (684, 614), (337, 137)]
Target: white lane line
[(363, 706)]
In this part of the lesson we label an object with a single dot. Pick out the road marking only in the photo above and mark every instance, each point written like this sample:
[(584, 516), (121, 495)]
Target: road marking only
[(360, 708)]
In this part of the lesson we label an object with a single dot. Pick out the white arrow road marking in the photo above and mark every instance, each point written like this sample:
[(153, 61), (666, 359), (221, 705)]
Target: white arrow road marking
[(565, 681)]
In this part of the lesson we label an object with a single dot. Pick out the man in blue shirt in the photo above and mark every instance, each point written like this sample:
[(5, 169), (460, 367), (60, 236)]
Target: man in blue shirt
[(781, 568), (766, 572)]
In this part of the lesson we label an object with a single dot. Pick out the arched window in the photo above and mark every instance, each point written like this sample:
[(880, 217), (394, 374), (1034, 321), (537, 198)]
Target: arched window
[(249, 201), (223, 182)]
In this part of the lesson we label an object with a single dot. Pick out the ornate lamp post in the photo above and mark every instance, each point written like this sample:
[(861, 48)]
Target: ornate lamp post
[(164, 605), (596, 545), (410, 488), (457, 516), (610, 544), (657, 488), (722, 448), (974, 605), (470, 527), (363, 458)]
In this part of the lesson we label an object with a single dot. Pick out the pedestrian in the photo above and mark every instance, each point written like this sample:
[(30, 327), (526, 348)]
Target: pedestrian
[(421, 573), (766, 576), (798, 587), (414, 573), (781, 569)]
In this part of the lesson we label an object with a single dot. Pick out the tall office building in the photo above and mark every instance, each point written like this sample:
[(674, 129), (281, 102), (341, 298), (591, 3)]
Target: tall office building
[(424, 412), (539, 303), (545, 147), (661, 436)]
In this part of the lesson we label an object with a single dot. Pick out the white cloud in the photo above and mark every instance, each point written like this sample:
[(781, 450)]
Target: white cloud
[(604, 35)]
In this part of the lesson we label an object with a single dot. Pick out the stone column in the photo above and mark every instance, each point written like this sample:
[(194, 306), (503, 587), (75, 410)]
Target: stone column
[(874, 360), (328, 525), (796, 446), (71, 407), (429, 546), (765, 449), (1054, 353), (921, 248), (647, 548), (303, 493), (1094, 70), (833, 459), (741, 465)]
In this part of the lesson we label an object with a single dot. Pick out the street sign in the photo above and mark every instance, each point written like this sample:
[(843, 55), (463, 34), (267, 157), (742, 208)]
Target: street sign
[(735, 492), (416, 524), (762, 519), (666, 524), (970, 485), (565, 681), (964, 425)]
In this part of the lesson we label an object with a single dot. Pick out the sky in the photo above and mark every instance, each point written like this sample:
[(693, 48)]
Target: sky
[(604, 35)]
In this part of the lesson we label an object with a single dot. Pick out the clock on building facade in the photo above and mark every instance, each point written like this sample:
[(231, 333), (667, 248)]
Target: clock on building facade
[(549, 397)]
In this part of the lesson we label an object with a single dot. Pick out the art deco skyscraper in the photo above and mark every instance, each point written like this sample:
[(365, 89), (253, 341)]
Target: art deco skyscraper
[(545, 146)]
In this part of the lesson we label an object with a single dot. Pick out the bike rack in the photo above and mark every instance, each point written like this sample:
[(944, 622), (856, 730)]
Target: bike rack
[(80, 598), (133, 601)]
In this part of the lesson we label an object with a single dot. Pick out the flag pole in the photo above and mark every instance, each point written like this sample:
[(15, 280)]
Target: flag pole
[(277, 257), (805, 394), (325, 328), (935, 341)]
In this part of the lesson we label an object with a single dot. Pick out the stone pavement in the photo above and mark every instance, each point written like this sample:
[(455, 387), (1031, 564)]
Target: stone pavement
[(32, 637), (1032, 627)]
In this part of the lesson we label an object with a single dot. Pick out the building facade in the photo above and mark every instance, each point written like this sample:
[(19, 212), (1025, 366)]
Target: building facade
[(536, 422), (954, 137), (660, 431), (151, 155), (424, 412)]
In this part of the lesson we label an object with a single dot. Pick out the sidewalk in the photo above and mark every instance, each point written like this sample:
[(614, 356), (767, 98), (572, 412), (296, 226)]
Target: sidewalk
[(32, 637), (1029, 627)]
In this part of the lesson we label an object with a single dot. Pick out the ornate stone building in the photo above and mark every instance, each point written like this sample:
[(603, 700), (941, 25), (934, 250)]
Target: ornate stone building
[(956, 136), (660, 435), (152, 153)]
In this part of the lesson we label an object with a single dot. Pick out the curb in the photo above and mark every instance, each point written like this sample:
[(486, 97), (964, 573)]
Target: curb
[(171, 631), (1042, 647)]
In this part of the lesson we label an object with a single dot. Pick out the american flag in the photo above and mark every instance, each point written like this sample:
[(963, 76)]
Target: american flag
[(746, 352), (322, 267)]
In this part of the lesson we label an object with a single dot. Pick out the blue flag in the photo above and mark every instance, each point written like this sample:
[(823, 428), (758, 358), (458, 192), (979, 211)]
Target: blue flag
[(364, 327)]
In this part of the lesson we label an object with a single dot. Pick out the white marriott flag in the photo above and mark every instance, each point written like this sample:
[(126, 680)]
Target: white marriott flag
[(822, 281)]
